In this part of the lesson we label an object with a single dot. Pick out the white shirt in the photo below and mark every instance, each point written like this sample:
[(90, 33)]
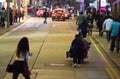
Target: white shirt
[(106, 24), (23, 57)]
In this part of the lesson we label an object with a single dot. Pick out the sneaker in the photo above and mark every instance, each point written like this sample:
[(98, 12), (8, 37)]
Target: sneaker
[(74, 65)]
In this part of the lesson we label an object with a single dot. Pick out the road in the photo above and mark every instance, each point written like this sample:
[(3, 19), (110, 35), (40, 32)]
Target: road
[(49, 43)]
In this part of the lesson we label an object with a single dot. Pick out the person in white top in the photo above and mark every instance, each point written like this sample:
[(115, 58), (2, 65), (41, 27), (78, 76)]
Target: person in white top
[(106, 27), (22, 55)]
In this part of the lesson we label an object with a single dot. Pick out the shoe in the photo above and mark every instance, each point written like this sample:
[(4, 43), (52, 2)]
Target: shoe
[(74, 65)]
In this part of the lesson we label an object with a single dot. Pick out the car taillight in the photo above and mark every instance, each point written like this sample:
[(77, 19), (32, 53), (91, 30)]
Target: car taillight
[(63, 15), (53, 14)]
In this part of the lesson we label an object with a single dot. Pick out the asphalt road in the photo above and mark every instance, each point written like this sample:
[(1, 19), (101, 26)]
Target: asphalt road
[(49, 43)]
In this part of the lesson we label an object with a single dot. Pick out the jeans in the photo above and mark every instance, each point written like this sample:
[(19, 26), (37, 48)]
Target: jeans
[(112, 46)]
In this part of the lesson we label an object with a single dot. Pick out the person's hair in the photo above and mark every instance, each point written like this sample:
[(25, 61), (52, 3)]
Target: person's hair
[(23, 47)]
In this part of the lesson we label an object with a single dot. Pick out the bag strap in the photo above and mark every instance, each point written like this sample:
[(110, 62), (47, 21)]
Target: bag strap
[(11, 58)]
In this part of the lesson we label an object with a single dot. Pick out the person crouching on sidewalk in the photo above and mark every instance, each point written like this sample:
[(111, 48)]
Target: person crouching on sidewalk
[(77, 45)]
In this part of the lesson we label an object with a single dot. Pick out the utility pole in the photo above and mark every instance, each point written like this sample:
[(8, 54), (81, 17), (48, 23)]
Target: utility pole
[(25, 7), (8, 11)]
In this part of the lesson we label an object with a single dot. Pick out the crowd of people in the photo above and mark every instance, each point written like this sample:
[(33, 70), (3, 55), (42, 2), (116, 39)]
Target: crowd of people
[(14, 15), (105, 23)]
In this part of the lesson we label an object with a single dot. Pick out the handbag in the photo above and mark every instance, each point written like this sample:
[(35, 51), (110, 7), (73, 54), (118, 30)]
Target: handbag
[(10, 67)]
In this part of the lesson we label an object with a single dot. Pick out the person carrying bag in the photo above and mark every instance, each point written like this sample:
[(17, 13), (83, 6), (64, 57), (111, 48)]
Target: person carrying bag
[(22, 56)]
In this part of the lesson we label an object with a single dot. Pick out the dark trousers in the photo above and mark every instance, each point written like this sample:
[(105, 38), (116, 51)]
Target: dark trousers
[(45, 21), (3, 22), (108, 35), (100, 32), (19, 69), (77, 59), (118, 44), (15, 75), (112, 46)]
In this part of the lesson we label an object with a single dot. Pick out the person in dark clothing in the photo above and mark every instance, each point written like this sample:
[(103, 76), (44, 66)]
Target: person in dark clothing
[(11, 17), (45, 15), (118, 41), (99, 21), (90, 23), (77, 45)]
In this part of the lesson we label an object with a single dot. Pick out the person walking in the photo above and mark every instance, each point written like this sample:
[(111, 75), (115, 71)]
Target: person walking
[(80, 20), (77, 50), (114, 31), (90, 20), (106, 27), (19, 14), (82, 24), (99, 19), (45, 15), (3, 16), (118, 41), (11, 16), (22, 55)]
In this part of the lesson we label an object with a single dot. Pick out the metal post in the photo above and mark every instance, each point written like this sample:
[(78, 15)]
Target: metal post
[(8, 11), (25, 5)]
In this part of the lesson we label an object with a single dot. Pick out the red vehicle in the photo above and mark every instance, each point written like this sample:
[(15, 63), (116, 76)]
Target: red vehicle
[(60, 14), (40, 12)]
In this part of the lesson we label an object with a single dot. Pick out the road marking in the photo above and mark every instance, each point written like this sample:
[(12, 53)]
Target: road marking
[(57, 64), (108, 64)]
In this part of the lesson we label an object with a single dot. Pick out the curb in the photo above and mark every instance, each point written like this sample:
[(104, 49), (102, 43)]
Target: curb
[(107, 53)]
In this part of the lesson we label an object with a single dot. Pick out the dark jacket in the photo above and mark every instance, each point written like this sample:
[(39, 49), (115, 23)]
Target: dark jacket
[(45, 14), (77, 46)]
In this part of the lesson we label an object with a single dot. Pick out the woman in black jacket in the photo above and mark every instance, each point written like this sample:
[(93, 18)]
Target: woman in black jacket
[(78, 47)]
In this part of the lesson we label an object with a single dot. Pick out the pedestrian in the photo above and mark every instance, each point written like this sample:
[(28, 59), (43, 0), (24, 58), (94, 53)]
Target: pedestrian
[(99, 18), (81, 22), (11, 16), (3, 16), (22, 55), (114, 31), (45, 15), (77, 50), (19, 14), (106, 27), (118, 41), (22, 13), (90, 23)]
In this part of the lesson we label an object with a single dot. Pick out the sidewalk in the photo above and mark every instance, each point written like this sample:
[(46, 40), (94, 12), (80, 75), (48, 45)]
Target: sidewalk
[(114, 56), (4, 30)]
